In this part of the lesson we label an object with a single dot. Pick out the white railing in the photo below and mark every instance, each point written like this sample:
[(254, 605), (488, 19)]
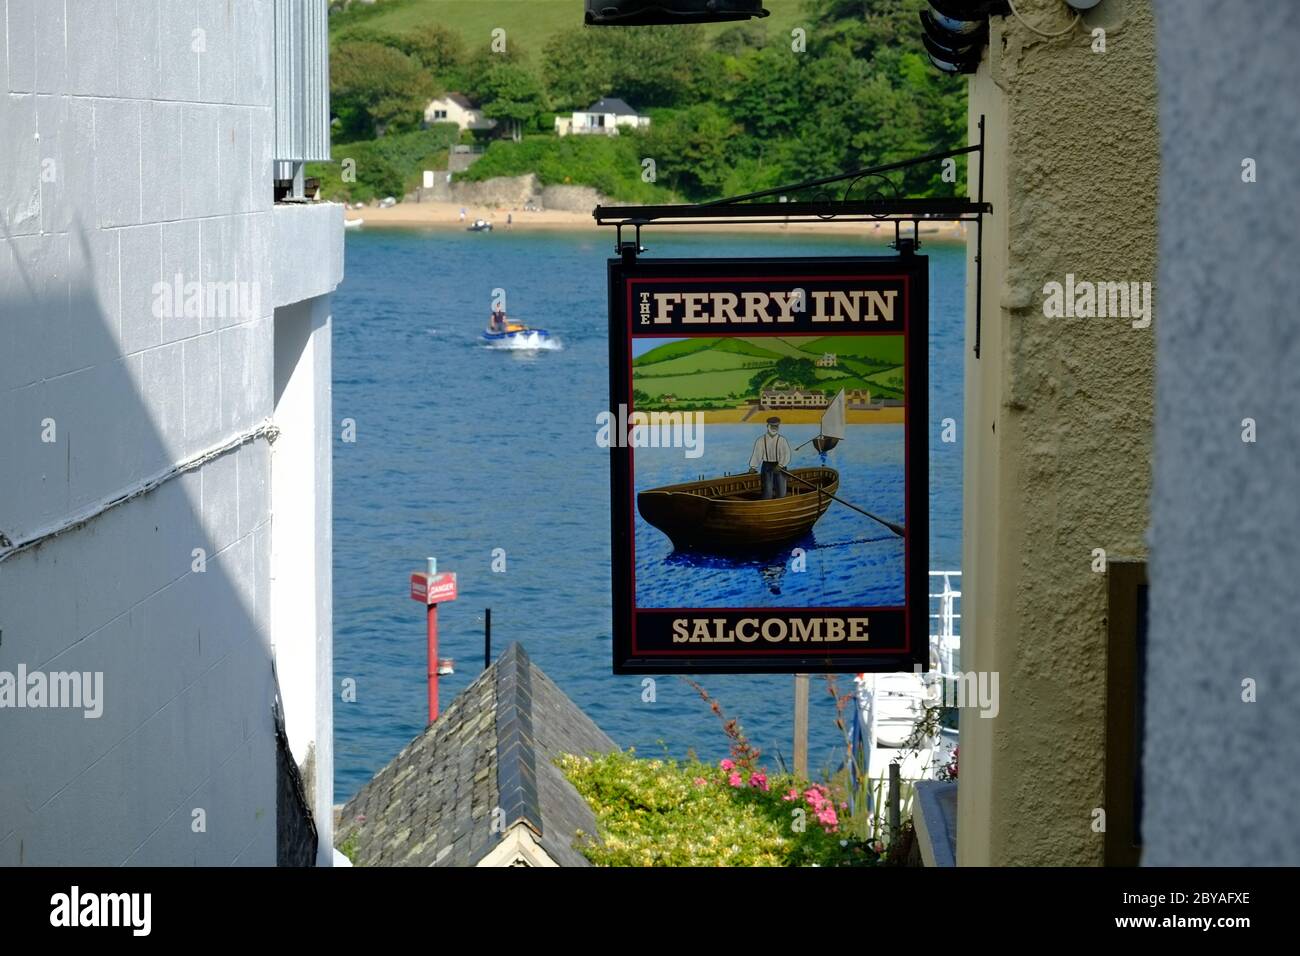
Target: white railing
[(945, 658), (945, 650), (945, 635)]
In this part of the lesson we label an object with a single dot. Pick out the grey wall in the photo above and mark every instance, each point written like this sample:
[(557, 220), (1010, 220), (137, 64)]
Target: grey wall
[(1222, 777), (135, 147)]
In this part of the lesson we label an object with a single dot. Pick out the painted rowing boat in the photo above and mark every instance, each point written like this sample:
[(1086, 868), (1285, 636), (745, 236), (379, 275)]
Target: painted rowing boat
[(729, 514)]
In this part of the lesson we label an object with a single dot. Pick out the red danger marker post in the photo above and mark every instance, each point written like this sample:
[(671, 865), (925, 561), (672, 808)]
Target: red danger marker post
[(433, 588)]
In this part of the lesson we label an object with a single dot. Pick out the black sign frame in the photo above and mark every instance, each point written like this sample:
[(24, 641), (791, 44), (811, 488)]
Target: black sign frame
[(906, 629)]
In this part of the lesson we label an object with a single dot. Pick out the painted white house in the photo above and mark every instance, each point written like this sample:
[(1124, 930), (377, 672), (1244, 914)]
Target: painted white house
[(457, 108), (165, 420), (604, 117), (778, 397)]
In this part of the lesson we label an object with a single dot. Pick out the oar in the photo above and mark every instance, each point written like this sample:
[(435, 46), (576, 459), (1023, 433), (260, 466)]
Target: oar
[(896, 528)]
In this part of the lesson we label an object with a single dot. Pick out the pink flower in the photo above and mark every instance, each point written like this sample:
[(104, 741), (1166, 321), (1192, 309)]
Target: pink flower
[(699, 781), (728, 765), (735, 780), (759, 780), (792, 795)]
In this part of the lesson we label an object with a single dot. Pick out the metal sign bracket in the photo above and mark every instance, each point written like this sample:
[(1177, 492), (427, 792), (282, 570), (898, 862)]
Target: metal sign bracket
[(773, 206)]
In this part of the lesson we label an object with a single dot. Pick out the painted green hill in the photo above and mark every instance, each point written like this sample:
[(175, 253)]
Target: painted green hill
[(792, 347), (882, 349), (720, 372), (705, 360), (829, 382), (725, 388), (767, 348), (676, 350)]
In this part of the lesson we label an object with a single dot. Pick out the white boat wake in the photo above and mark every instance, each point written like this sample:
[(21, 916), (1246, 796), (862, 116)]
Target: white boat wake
[(532, 342)]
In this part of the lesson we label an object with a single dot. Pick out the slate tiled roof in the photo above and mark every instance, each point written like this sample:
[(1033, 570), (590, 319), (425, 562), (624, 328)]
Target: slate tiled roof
[(611, 104), (494, 746), (461, 100)]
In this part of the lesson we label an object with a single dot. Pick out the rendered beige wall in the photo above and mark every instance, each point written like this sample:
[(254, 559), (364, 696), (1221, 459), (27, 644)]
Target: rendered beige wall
[(1058, 420)]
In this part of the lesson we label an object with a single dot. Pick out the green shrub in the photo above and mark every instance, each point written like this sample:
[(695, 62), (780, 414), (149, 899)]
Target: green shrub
[(666, 813), (376, 88), (610, 164), (389, 166)]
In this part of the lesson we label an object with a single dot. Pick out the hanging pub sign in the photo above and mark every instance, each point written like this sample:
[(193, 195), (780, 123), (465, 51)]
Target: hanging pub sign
[(768, 433)]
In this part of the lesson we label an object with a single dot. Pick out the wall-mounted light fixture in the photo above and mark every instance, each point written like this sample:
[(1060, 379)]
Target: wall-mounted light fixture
[(639, 13), (955, 32)]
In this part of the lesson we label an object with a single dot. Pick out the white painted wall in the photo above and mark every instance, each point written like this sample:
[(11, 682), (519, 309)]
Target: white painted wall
[(455, 113), (602, 123), (301, 544), (135, 144)]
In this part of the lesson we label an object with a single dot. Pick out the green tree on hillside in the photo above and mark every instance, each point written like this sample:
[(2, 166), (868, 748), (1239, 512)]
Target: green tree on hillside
[(482, 60), (376, 89), (577, 67), (513, 96), (658, 66), (795, 372), (647, 66), (440, 49), (766, 91), (866, 27), (907, 107), (689, 148), (737, 39)]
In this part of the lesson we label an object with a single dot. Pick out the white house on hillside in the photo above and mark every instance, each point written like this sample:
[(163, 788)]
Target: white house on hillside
[(166, 656), (604, 117), (456, 108)]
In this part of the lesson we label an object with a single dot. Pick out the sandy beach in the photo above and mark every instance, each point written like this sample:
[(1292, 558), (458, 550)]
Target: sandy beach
[(445, 215)]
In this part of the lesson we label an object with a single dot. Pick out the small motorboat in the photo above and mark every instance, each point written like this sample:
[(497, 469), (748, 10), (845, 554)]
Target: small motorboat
[(515, 332), (352, 223), (729, 514), (479, 225)]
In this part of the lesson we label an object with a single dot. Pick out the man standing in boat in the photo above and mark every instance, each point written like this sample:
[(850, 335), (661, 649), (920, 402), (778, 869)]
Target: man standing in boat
[(771, 454)]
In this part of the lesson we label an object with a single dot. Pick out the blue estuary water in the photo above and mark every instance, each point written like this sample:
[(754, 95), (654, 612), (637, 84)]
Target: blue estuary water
[(461, 450)]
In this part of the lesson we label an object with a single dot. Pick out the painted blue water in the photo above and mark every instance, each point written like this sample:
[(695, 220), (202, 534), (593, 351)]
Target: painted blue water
[(461, 449), (850, 560)]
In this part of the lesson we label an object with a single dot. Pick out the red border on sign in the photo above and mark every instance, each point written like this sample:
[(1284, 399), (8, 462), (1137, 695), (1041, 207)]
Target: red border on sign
[(906, 281)]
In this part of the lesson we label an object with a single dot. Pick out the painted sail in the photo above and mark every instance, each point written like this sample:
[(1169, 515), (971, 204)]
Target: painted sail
[(833, 419)]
